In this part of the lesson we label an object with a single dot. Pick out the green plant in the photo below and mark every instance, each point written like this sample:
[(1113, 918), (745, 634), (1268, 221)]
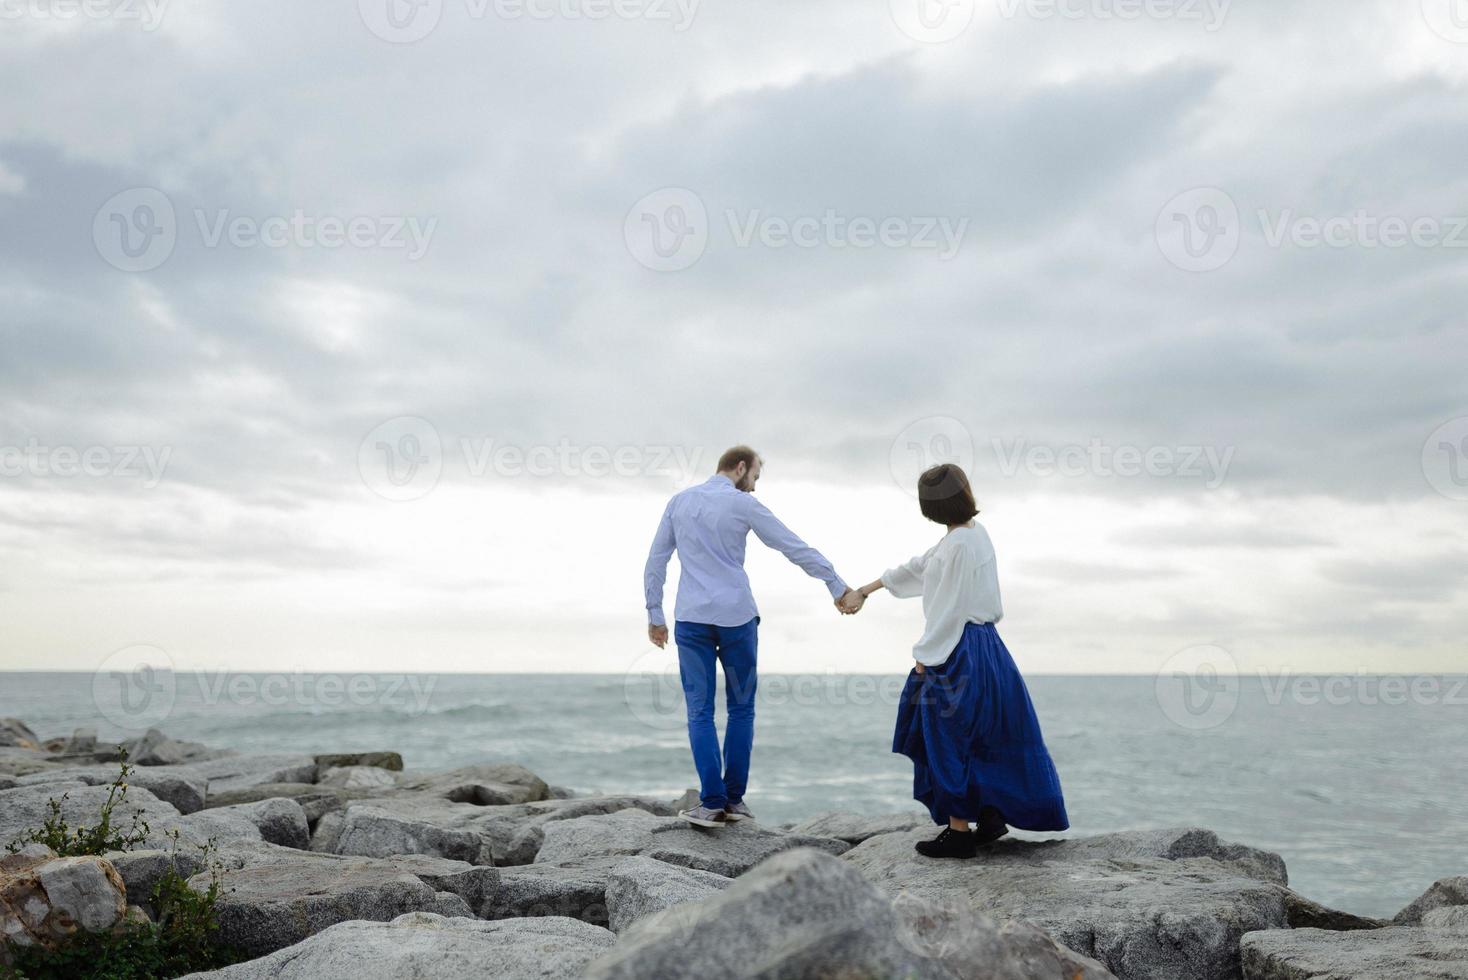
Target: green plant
[(67, 841), (181, 939)]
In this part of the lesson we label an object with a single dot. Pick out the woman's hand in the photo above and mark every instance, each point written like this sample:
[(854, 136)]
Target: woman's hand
[(919, 668), (851, 602)]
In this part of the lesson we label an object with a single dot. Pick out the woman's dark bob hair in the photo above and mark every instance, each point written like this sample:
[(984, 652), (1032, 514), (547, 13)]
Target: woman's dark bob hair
[(944, 495)]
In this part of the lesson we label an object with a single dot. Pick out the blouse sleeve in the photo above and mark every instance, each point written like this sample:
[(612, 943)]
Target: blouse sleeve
[(906, 580)]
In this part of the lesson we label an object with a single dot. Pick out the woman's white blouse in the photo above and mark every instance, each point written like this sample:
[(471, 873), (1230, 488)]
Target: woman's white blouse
[(959, 583)]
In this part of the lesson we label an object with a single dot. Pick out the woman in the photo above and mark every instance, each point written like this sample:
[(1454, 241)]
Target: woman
[(965, 718)]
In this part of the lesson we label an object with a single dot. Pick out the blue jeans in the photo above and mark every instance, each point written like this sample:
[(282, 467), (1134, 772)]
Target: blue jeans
[(722, 777)]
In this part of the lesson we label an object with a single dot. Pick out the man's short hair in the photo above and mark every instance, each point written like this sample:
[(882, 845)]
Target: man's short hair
[(733, 457), (945, 496)]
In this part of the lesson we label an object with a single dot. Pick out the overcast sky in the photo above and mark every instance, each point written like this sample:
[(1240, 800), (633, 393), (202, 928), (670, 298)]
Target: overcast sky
[(347, 336)]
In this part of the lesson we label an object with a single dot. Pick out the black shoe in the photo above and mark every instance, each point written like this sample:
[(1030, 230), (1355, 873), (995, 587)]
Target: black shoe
[(991, 826), (949, 844)]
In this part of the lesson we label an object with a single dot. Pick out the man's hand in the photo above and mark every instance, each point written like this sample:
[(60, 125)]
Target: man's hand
[(850, 602), (658, 635)]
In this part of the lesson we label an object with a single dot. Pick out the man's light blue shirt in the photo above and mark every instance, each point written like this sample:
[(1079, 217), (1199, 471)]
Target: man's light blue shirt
[(707, 525)]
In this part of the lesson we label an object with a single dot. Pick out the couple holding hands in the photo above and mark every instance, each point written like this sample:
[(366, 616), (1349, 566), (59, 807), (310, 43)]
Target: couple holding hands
[(965, 718)]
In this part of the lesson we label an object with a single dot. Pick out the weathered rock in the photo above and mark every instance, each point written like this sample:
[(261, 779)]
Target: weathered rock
[(262, 910), (1395, 953), (1444, 893), (1119, 898), (804, 913), (156, 749), (639, 887), (729, 851), (315, 799), (575, 890), (1304, 913), (183, 789), (425, 945), (44, 899), (235, 772), (495, 784), (414, 823), (25, 808), (278, 821), (83, 741), (22, 761), (358, 777), (142, 870), (1453, 918), (373, 831), (382, 760), (16, 733), (854, 828)]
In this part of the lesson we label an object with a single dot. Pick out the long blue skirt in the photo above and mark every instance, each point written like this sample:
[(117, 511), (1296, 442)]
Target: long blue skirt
[(970, 730)]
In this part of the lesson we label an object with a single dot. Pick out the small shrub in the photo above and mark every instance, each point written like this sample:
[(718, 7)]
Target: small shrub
[(67, 841)]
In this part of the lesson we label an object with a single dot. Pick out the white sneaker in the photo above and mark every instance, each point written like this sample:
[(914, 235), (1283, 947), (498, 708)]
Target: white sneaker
[(736, 812), (702, 816)]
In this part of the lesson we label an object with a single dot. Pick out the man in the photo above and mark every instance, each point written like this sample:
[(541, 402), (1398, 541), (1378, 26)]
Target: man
[(716, 619)]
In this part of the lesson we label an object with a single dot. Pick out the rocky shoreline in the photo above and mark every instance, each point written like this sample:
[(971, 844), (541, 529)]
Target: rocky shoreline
[(346, 867)]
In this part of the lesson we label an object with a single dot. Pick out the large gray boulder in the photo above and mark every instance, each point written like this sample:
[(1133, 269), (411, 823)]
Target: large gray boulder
[(417, 823), (371, 830), (729, 851), (1444, 893), (316, 800), (1156, 904), (575, 890), (1395, 953), (235, 772), (854, 828), (24, 808), (269, 907), (370, 778), (804, 913), (382, 760), (141, 870), (45, 899), (493, 784), (278, 821), (184, 789), (639, 887), (423, 945), (15, 733)]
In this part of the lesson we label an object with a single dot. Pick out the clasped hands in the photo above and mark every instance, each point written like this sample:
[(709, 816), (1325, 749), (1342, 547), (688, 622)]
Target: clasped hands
[(851, 602)]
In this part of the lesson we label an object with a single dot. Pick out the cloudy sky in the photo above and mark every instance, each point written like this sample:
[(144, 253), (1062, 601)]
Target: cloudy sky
[(373, 336)]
